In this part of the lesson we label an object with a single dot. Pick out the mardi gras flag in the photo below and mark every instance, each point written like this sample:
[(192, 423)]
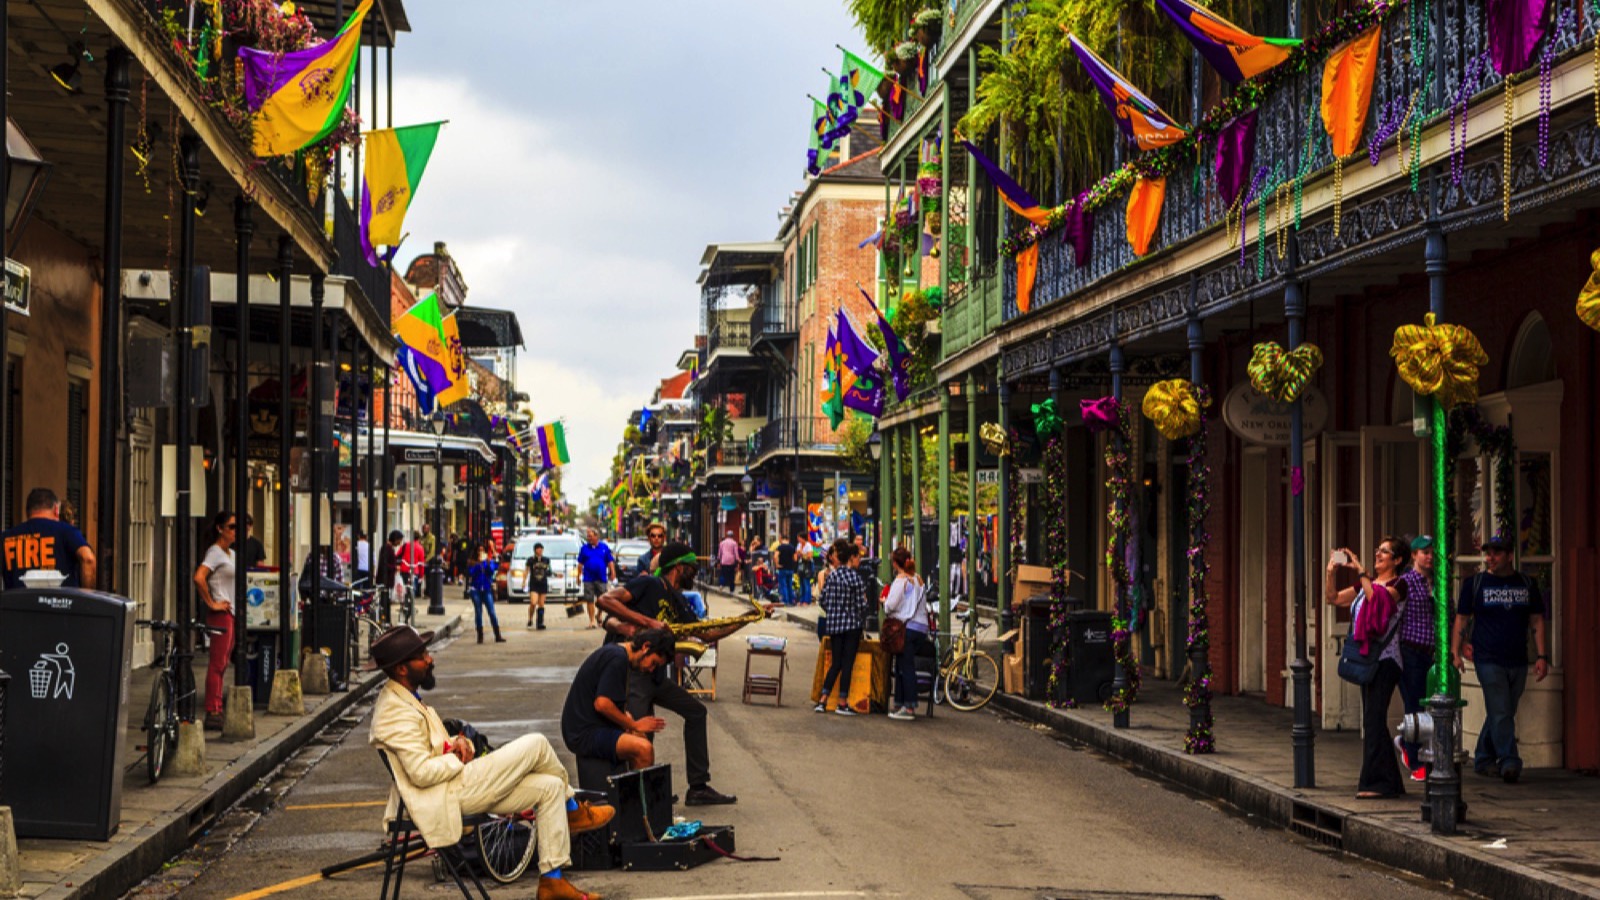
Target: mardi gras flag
[(427, 358), (823, 123), (553, 444), (408, 362), (394, 164), (899, 359), (1011, 193), (832, 394), (857, 81), (1137, 115), (815, 522), (854, 350), (864, 394), (296, 98), (455, 362), (1236, 54)]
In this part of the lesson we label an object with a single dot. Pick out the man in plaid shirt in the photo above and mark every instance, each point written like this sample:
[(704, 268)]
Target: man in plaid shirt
[(844, 610), (1417, 643)]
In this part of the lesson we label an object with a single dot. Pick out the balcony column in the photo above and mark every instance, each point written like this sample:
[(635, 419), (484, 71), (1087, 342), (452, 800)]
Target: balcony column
[(183, 410), (940, 576), (1003, 523), (1302, 736), (243, 230), (1119, 682), (943, 243), (970, 558), (896, 506), (315, 449), (915, 494), (107, 519), (355, 479), (283, 530)]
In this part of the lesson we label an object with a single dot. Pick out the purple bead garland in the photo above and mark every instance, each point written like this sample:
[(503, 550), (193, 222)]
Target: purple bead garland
[(1197, 687)]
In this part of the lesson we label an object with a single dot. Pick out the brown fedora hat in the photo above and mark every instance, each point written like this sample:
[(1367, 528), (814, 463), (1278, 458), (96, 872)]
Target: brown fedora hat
[(399, 644)]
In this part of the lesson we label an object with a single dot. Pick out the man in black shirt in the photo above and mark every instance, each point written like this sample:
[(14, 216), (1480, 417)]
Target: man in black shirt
[(43, 541), (593, 723), (651, 602), (786, 569)]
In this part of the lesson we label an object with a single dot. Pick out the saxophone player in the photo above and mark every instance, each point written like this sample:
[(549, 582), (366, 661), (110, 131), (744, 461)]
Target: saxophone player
[(656, 601)]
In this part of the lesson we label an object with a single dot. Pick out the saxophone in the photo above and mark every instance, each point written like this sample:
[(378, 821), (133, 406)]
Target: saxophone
[(694, 648)]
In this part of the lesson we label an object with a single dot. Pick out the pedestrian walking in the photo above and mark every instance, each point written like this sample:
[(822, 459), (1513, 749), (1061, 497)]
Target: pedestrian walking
[(805, 569), (599, 570), (787, 553), (480, 585), (363, 557), (389, 570), (1417, 642), (214, 579), (1501, 604), (844, 605), (538, 585), (907, 603), (1377, 604), (43, 541), (414, 563), (727, 561)]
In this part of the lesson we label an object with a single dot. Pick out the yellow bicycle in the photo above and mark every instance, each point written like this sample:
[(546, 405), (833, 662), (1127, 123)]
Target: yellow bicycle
[(969, 675)]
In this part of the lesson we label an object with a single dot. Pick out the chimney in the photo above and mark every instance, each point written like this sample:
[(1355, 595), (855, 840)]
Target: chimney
[(440, 250)]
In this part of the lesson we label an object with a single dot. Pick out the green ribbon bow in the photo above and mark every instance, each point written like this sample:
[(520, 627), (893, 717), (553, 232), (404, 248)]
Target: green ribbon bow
[(1046, 421)]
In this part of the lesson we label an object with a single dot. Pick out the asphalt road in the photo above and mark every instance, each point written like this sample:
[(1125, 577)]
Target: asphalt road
[(966, 805)]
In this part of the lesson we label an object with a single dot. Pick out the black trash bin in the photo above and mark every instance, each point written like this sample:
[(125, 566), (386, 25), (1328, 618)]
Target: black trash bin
[(1092, 660), (1036, 645), (332, 623), (261, 653), (68, 651)]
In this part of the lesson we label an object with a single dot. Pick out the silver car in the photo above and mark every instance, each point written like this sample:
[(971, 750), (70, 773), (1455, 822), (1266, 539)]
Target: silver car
[(566, 576), (628, 553)]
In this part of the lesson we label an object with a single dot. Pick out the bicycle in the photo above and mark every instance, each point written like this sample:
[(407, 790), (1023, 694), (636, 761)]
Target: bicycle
[(161, 717), (970, 676)]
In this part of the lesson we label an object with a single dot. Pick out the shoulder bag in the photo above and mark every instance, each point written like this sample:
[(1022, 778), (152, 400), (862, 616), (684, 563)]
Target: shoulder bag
[(1360, 668)]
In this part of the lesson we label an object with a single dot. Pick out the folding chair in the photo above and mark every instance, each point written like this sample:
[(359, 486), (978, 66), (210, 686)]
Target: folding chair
[(401, 831), (692, 673)]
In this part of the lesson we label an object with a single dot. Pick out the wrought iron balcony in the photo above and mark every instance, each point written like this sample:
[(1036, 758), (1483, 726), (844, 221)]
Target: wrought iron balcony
[(976, 313), (352, 262), (805, 434), (1439, 60), (727, 333), (729, 453), (775, 321)]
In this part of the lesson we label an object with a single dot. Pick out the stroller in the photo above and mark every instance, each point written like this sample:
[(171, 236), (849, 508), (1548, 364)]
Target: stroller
[(764, 583)]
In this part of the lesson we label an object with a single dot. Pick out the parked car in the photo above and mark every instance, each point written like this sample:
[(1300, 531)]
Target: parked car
[(566, 578), (628, 553)]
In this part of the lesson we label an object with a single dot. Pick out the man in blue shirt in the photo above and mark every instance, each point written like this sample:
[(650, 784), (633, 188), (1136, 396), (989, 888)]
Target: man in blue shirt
[(43, 541), (599, 568), (1501, 603)]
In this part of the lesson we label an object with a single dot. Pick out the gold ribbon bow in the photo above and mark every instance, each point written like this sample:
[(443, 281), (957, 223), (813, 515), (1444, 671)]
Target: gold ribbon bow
[(1439, 360), (1173, 407), (1589, 297), (994, 439), (1283, 374)]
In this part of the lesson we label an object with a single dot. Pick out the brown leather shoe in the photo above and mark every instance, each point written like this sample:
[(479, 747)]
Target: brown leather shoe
[(588, 816), (562, 889)]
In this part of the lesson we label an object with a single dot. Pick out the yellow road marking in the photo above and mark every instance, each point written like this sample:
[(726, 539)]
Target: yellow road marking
[(354, 805), (304, 880)]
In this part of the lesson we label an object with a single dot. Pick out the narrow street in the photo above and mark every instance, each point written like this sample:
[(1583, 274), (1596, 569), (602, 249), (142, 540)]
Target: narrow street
[(974, 805)]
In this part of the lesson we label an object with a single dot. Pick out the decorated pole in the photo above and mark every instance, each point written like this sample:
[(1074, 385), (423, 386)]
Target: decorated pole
[(1197, 688), (940, 579), (1302, 735), (1003, 523), (1121, 683), (970, 557), (1444, 809)]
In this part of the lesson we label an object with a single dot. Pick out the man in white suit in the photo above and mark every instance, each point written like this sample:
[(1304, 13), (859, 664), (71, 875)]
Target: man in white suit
[(440, 781)]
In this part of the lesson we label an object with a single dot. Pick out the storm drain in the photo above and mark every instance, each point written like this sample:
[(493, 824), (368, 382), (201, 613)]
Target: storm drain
[(1317, 824)]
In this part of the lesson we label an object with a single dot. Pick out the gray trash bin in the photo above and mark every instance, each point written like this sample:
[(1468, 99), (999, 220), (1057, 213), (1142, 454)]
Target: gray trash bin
[(68, 652)]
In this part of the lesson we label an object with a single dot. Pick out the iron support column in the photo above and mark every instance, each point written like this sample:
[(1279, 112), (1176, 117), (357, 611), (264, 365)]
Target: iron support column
[(106, 509), (1302, 734), (941, 574), (1199, 649), (183, 412), (243, 230), (283, 531), (1003, 523), (1119, 682), (315, 450), (969, 558)]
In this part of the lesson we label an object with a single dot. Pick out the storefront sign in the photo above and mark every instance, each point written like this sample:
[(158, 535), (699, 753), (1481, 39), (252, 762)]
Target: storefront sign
[(1020, 476), (1257, 419), (18, 287), (421, 455)]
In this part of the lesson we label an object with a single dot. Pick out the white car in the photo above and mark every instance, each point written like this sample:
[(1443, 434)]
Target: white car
[(566, 576)]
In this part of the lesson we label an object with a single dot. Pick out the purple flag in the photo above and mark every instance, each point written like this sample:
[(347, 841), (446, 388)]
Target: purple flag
[(899, 359), (859, 356), (864, 394), (1236, 150), (1515, 26), (1078, 230)]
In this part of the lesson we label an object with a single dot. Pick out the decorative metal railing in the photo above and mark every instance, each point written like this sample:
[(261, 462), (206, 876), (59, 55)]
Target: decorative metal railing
[(352, 262), (727, 333), (1425, 61), (790, 433), (965, 321), (770, 319)]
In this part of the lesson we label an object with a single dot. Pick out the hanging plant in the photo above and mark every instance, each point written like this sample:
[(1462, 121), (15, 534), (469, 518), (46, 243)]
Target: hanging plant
[(883, 22), (926, 27)]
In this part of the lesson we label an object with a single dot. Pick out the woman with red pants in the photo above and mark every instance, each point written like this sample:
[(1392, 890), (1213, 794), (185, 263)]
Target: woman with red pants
[(215, 581)]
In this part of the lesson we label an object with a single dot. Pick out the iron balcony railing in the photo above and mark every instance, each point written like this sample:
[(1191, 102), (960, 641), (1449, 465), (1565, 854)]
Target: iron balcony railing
[(352, 262), (965, 321), (1439, 60), (805, 433), (774, 319), (732, 452), (727, 333)]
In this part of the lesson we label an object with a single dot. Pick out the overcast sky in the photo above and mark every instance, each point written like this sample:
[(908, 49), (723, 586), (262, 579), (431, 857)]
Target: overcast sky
[(593, 151)]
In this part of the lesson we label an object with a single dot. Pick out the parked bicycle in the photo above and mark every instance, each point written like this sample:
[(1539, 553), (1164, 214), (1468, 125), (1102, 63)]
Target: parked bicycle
[(173, 687), (969, 675)]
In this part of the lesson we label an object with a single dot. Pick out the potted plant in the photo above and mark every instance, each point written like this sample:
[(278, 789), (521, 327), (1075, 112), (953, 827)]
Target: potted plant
[(926, 26), (904, 58)]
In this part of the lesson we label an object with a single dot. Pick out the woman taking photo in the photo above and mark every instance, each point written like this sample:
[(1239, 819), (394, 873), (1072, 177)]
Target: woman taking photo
[(214, 579), (1377, 603), (907, 602), (844, 603), (538, 585), (480, 581)]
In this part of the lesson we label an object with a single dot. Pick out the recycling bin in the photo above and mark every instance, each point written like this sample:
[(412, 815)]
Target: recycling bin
[(1092, 665), (69, 651)]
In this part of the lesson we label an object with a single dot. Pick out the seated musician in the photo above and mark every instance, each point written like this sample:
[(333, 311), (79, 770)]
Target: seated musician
[(440, 780), (593, 723), (656, 601)]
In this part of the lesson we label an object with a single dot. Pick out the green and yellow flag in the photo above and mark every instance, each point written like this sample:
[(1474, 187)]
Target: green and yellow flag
[(297, 98), (394, 163)]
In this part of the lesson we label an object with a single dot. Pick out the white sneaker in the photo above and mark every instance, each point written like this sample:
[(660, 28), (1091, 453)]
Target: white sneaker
[(844, 710), (822, 705), (903, 715)]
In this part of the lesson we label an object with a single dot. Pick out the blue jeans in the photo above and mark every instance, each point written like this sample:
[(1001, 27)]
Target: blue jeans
[(1414, 664), (1502, 688), (806, 579), (786, 586), (905, 685), (480, 599)]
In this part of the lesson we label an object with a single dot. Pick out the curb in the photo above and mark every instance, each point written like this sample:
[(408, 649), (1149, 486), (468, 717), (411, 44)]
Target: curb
[(1433, 858), (114, 873)]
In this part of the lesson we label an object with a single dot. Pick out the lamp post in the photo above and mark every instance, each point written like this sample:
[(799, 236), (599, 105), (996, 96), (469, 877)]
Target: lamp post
[(435, 566)]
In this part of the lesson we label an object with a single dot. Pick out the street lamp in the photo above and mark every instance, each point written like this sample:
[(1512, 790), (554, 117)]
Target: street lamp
[(435, 565), (748, 483), (875, 445), (26, 174)]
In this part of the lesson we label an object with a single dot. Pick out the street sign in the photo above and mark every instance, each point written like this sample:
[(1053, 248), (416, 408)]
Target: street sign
[(760, 505), (1019, 476), (18, 287), (988, 476), (844, 489), (420, 455)]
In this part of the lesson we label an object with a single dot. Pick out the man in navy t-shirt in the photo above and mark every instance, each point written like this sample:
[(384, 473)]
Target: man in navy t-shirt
[(594, 721), (599, 565), (43, 541), (1501, 603)]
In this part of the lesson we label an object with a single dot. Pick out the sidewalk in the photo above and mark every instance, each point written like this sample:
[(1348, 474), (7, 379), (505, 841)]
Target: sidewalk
[(1539, 838), (159, 821)]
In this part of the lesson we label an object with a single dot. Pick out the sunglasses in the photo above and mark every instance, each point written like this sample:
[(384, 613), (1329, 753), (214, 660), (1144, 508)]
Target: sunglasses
[(228, 527)]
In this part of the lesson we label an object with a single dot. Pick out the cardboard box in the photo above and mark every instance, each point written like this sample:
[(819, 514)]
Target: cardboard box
[(1031, 581), (1012, 673)]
